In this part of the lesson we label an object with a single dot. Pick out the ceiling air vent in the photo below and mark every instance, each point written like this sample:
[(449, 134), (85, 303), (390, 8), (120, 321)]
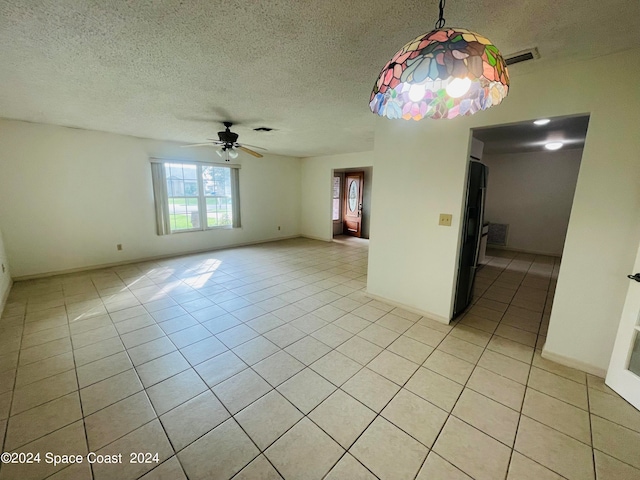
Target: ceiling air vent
[(262, 129), (523, 56)]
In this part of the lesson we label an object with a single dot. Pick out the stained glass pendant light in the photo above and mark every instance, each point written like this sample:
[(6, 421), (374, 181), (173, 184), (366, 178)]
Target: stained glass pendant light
[(445, 73)]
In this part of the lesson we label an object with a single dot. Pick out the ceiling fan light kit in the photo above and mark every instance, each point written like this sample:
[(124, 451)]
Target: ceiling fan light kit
[(227, 153), (446, 73)]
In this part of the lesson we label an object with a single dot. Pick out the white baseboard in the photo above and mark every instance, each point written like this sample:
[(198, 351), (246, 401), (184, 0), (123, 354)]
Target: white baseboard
[(408, 308), (313, 237), (573, 363), (148, 259), (523, 250)]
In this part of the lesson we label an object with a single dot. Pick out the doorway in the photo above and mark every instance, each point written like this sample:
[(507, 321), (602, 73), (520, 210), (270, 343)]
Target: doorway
[(352, 204), (533, 172), (532, 176), (351, 208)]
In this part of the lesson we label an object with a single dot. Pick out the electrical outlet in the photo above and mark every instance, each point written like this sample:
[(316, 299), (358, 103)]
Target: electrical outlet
[(445, 219), (119, 246)]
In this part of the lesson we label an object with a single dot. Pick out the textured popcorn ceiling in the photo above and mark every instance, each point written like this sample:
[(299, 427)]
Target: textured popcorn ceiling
[(170, 69)]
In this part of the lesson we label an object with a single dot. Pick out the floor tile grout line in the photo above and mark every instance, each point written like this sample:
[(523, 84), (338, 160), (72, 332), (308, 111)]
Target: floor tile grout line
[(209, 389), (346, 450), (275, 389), (450, 412), (156, 322), (447, 335), (512, 448), (379, 414), (129, 396), (261, 451), (593, 451), (15, 380), (231, 313), (521, 414), (615, 423), (48, 433), (231, 417), (84, 426), (615, 458)]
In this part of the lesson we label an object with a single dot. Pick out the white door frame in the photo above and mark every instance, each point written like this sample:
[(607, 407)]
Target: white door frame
[(619, 378)]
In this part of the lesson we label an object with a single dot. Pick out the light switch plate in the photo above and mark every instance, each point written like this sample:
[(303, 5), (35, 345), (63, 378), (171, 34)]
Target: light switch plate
[(445, 219)]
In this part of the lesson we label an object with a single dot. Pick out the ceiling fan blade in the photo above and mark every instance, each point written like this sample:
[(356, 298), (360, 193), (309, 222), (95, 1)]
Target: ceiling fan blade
[(252, 146), (208, 144), (249, 151)]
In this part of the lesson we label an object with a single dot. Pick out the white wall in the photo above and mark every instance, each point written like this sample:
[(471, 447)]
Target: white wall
[(68, 196), (412, 260), (533, 193), (5, 275), (317, 190)]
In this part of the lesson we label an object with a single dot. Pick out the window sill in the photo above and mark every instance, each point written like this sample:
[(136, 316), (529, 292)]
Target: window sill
[(209, 229)]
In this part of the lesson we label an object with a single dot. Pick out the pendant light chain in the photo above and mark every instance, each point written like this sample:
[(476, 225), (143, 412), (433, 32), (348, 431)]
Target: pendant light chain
[(440, 22)]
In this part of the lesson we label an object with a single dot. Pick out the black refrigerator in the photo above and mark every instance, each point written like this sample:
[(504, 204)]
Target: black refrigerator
[(471, 234)]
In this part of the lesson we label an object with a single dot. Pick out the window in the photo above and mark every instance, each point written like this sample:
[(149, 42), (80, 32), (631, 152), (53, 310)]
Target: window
[(336, 197), (183, 196), (195, 196), (217, 193)]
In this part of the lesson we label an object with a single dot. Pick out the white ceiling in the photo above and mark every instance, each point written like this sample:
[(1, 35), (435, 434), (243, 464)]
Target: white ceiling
[(527, 137), (172, 69)]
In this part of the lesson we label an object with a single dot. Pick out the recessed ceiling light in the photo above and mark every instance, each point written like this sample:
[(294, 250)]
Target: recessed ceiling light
[(542, 121), (553, 145)]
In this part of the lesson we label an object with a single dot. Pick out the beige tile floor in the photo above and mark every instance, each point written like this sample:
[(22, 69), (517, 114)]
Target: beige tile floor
[(270, 362)]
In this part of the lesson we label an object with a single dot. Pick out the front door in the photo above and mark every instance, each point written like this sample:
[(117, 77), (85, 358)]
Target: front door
[(352, 212), (624, 369)]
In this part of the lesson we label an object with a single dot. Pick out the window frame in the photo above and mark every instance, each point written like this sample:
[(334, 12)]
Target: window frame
[(163, 215), (340, 178)]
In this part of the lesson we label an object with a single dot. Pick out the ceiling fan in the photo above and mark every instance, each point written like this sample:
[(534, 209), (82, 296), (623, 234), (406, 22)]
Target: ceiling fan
[(228, 140)]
